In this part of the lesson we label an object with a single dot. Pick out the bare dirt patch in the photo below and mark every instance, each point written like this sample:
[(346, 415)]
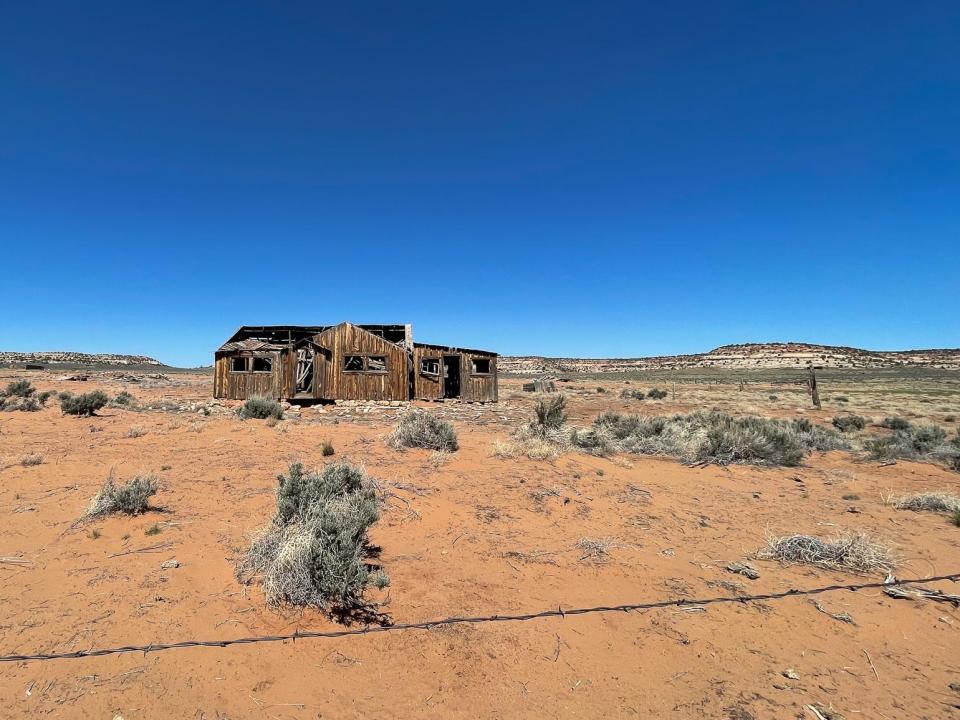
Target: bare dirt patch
[(475, 534)]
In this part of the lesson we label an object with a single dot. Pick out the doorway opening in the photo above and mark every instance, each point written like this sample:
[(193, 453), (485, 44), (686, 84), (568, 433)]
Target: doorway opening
[(304, 372), (451, 376)]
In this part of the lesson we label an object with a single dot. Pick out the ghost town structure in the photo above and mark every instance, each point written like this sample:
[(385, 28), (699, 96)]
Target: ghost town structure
[(349, 362)]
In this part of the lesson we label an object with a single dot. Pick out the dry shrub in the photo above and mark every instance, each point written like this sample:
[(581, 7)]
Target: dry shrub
[(418, 429), (18, 388), (849, 423), (123, 399), (131, 498), (135, 431), (31, 459), (314, 552), (895, 423), (706, 437), (30, 403), (260, 408), (853, 552), (84, 405), (918, 442), (928, 501), (550, 412)]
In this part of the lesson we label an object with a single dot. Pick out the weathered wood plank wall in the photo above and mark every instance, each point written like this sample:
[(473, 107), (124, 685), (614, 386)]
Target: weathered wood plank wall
[(339, 384)]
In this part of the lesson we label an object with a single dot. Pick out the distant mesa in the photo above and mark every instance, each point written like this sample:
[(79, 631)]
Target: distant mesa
[(744, 356), (67, 359)]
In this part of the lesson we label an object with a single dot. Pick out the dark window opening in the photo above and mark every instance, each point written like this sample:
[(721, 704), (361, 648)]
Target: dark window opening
[(376, 363), (430, 366), (238, 364), (481, 366), (262, 364), (353, 363)]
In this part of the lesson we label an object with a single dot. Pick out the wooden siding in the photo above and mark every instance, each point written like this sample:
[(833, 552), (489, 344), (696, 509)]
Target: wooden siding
[(242, 385), (332, 382), (478, 388), (473, 388), (427, 387)]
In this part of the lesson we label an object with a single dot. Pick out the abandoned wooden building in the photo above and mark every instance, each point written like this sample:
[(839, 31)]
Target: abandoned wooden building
[(349, 362)]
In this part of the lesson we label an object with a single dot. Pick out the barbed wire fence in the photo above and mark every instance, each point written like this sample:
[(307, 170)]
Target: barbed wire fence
[(477, 619)]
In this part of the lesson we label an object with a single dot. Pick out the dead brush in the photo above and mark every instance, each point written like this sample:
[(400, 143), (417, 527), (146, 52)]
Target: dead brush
[(852, 552), (31, 459), (596, 549), (544, 438), (135, 431), (927, 502)]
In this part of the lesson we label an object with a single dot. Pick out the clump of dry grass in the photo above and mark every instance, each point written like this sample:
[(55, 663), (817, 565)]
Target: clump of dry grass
[(853, 552), (928, 501), (546, 437), (418, 429), (31, 459), (546, 444), (136, 431), (132, 498)]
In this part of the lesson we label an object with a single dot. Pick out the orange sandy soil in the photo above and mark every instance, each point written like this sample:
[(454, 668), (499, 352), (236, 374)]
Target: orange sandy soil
[(445, 536)]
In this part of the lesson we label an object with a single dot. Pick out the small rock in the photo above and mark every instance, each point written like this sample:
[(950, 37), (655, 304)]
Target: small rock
[(169, 564), (745, 569), (791, 674)]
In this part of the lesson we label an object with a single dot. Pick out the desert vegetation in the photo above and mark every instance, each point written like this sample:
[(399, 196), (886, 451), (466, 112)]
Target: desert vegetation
[(917, 442), (84, 405), (706, 438), (21, 395), (260, 409), (849, 423), (945, 502), (315, 551), (635, 394), (544, 437), (419, 429), (131, 497), (851, 552)]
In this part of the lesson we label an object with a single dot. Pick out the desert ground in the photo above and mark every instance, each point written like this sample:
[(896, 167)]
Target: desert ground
[(473, 534)]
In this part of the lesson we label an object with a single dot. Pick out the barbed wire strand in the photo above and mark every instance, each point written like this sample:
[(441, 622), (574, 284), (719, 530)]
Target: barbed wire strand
[(430, 624)]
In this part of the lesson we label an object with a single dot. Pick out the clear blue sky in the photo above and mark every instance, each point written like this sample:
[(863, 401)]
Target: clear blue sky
[(579, 179)]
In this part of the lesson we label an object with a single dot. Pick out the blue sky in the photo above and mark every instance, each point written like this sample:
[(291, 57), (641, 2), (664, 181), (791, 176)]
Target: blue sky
[(577, 179)]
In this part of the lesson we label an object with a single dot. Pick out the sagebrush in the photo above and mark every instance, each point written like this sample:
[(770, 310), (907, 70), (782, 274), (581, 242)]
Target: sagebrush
[(849, 423), (315, 551), (260, 408), (917, 442), (86, 404), (707, 437), (132, 497), (419, 429)]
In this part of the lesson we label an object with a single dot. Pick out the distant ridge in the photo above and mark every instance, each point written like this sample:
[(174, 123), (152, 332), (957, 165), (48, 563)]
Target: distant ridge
[(743, 356), (59, 357)]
